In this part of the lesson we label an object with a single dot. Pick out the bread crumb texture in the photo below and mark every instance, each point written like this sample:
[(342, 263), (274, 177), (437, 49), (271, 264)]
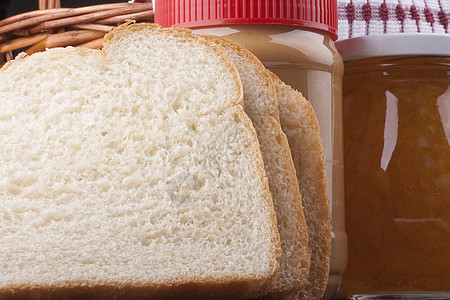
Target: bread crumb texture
[(301, 126), (131, 165)]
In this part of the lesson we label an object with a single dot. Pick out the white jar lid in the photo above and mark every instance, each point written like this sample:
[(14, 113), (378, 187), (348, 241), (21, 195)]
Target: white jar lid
[(394, 44)]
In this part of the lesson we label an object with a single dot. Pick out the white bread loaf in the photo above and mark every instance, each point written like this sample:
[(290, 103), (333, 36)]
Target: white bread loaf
[(299, 122), (132, 172), (260, 103)]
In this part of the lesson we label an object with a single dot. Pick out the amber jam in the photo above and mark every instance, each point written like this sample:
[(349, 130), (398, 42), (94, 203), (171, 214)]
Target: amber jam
[(397, 174)]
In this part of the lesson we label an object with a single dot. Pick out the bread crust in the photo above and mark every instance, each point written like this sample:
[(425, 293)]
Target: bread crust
[(238, 288), (227, 287), (301, 126), (279, 165)]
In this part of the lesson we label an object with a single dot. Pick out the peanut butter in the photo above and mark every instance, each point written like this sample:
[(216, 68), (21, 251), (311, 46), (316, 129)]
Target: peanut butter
[(307, 60), (397, 174)]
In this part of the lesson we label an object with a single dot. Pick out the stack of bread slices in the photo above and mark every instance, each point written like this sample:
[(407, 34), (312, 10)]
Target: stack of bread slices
[(167, 165)]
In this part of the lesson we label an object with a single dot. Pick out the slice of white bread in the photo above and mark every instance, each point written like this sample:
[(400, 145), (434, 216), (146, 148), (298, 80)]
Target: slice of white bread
[(132, 171), (260, 103), (299, 122)]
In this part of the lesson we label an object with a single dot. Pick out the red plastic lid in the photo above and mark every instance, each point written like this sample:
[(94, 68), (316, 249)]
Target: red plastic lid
[(316, 14)]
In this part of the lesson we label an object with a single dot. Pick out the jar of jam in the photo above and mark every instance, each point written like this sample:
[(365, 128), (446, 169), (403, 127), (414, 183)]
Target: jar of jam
[(295, 40), (396, 91)]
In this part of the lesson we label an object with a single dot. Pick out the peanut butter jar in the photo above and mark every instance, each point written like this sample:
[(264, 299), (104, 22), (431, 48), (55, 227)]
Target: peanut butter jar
[(295, 40), (396, 91)]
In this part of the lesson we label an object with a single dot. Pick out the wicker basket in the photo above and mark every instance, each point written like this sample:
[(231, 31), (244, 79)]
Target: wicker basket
[(53, 26)]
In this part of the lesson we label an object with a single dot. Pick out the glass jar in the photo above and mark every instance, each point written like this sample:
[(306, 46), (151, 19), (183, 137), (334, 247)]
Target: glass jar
[(396, 91), (308, 61), (295, 40)]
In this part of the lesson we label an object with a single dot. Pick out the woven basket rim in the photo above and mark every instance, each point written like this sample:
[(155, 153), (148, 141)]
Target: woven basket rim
[(84, 26)]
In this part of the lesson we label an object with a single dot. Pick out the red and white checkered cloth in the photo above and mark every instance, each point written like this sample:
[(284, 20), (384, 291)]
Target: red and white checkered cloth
[(369, 17)]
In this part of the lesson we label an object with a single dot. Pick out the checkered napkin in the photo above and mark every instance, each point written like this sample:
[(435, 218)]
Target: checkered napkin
[(369, 17)]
